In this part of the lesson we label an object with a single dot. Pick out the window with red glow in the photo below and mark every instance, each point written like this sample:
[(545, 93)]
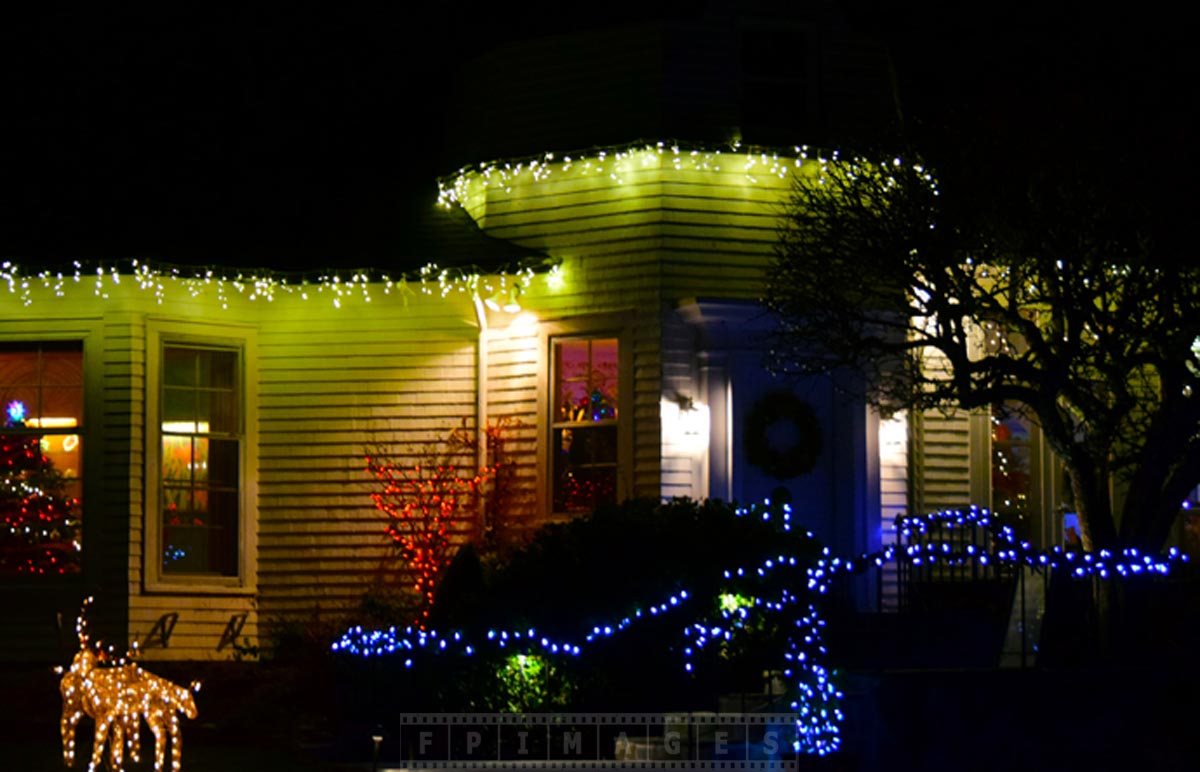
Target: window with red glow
[(41, 458), (1014, 468), (584, 423)]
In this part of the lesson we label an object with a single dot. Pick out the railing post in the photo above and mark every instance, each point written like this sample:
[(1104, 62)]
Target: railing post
[(878, 589), (1024, 627)]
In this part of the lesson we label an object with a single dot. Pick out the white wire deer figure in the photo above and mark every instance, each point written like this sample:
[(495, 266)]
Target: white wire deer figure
[(117, 697)]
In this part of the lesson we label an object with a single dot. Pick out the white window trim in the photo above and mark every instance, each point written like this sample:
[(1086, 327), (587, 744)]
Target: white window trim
[(243, 339), (599, 326)]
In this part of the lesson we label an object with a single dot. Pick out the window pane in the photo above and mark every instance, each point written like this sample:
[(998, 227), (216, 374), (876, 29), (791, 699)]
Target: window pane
[(205, 541), (584, 490), (585, 467), (18, 364), (179, 410), (221, 463), (586, 376), (1012, 469), (62, 367), (217, 369), (604, 366), (59, 402), (573, 364), (185, 549), (584, 411), (64, 452), (587, 445), (179, 367), (574, 400), (223, 533), (178, 458), (41, 458), (177, 503), (217, 411), (200, 472)]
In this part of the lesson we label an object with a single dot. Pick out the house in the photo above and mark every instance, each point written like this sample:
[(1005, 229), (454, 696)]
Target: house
[(189, 443), (213, 426)]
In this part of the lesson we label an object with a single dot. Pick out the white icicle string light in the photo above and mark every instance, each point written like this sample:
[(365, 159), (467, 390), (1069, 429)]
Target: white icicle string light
[(166, 282), (617, 163)]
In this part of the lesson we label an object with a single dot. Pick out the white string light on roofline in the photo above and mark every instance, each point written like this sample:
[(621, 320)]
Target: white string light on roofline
[(172, 282), (617, 163)]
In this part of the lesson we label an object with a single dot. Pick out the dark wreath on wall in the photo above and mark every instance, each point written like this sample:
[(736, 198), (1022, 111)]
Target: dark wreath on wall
[(761, 439)]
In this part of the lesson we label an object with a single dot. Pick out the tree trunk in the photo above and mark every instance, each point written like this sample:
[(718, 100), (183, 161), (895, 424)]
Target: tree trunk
[(1156, 494), (1094, 506)]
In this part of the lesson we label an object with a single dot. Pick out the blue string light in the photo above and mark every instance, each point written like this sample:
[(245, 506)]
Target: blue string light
[(818, 717)]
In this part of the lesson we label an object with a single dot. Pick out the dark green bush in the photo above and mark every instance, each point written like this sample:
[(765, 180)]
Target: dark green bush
[(589, 571), (595, 571)]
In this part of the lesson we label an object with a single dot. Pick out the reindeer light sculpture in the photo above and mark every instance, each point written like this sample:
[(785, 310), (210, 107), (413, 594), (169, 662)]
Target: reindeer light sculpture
[(117, 696)]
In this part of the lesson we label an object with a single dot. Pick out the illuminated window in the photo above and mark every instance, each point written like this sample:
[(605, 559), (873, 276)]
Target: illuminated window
[(1016, 497), (41, 455), (200, 461), (584, 423)]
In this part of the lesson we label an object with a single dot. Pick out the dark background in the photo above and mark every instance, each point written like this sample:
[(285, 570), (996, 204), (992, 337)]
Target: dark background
[(307, 136)]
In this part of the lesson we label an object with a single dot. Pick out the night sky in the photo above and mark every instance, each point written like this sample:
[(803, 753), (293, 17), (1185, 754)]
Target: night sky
[(310, 137)]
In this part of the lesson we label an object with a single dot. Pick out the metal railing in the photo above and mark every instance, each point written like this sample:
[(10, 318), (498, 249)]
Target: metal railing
[(946, 555)]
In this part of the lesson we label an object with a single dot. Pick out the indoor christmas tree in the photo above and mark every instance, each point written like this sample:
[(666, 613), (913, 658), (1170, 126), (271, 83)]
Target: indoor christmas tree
[(39, 526)]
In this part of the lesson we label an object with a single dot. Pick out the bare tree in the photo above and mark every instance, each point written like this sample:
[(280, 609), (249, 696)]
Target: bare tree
[(1045, 289)]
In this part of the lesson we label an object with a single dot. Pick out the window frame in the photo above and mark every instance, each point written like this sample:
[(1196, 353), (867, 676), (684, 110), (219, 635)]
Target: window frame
[(242, 341), (607, 326), (85, 333), (1046, 477)]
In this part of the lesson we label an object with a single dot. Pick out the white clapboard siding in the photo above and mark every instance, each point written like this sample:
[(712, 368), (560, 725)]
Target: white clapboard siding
[(634, 236), (943, 460), (198, 628), (512, 384), (335, 384)]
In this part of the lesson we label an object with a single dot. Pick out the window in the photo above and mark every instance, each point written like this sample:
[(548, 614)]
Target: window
[(41, 455), (1015, 497), (200, 461), (1028, 486), (584, 423)]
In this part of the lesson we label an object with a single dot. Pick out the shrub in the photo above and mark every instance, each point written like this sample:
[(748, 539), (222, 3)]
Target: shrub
[(603, 568)]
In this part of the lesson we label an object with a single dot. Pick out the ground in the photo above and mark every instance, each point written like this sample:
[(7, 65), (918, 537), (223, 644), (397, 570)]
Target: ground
[(255, 717)]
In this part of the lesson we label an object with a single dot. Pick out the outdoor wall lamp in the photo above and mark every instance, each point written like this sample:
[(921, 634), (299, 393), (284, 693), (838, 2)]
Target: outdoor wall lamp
[(685, 425)]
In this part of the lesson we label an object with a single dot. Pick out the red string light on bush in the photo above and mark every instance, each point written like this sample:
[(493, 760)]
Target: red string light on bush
[(423, 504)]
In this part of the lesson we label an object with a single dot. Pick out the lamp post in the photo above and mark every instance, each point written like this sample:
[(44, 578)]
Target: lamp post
[(376, 740)]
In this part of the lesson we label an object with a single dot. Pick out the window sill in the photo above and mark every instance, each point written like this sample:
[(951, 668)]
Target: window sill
[(198, 584)]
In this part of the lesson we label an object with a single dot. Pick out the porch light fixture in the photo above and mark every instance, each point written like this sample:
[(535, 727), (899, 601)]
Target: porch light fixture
[(504, 300), (685, 425), (893, 438)]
